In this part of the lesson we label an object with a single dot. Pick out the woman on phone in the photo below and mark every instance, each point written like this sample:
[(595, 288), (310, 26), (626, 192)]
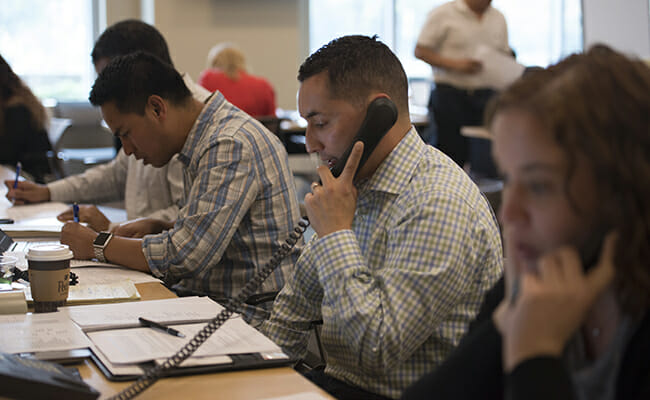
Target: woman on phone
[(573, 144)]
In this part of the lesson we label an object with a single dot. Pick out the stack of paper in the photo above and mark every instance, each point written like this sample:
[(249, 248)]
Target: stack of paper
[(25, 333), (181, 310), (123, 346), (82, 293)]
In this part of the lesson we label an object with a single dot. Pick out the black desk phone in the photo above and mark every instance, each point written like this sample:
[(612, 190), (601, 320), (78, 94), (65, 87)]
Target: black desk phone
[(26, 378), (380, 118)]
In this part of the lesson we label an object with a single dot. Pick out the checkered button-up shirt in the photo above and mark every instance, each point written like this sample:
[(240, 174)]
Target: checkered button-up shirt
[(397, 292), (240, 206)]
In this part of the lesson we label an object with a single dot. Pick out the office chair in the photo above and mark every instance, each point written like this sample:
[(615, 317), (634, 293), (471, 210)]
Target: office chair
[(84, 142)]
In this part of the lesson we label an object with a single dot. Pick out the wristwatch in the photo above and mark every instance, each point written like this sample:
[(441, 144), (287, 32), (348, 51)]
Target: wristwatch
[(101, 241)]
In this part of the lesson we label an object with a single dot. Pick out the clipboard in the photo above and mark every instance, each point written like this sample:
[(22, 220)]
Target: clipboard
[(244, 361)]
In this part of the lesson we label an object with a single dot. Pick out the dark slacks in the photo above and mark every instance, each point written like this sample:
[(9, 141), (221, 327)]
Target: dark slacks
[(451, 108)]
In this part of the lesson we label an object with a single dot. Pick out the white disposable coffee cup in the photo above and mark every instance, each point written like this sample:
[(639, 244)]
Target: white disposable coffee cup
[(48, 266)]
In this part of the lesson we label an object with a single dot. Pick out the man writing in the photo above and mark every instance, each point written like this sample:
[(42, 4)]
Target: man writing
[(240, 202)]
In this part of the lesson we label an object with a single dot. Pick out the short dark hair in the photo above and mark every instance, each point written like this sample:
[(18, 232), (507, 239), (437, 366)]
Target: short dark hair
[(357, 65), (597, 105), (129, 36), (129, 81)]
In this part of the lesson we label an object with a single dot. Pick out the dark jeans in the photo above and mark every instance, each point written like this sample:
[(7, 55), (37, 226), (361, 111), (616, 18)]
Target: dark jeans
[(340, 389), (451, 108)]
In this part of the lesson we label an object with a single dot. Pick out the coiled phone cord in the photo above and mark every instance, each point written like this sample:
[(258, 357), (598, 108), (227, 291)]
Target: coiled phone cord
[(152, 374)]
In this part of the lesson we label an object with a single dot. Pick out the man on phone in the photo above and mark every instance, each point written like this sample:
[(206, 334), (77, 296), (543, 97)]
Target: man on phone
[(403, 252)]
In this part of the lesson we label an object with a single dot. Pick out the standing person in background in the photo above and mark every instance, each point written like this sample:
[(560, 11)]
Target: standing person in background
[(23, 121), (147, 191), (448, 42), (227, 73)]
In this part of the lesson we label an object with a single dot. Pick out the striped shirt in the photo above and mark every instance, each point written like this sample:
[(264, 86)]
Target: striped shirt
[(397, 292), (240, 204)]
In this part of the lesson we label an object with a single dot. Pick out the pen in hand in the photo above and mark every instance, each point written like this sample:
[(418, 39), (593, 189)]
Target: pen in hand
[(155, 325), (75, 212)]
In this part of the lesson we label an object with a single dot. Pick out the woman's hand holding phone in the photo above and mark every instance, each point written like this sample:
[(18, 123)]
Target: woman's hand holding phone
[(552, 302)]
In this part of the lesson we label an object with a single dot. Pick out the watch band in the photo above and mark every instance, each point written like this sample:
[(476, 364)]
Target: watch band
[(99, 253), (98, 248)]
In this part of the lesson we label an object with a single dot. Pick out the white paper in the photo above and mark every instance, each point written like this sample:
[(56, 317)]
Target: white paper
[(135, 345), (194, 361), (121, 315), (116, 369), (23, 333), (300, 396), (499, 70), (50, 209), (123, 290), (92, 275)]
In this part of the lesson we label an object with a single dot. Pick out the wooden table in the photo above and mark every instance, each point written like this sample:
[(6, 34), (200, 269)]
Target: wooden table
[(239, 385)]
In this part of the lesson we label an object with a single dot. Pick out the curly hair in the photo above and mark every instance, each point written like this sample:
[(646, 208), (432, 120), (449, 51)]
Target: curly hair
[(357, 65), (598, 104)]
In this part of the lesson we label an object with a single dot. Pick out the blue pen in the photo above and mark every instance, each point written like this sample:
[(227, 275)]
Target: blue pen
[(75, 212), (18, 167)]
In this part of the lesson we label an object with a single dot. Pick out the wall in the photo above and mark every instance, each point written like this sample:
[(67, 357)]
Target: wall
[(273, 33), (269, 33), (622, 24)]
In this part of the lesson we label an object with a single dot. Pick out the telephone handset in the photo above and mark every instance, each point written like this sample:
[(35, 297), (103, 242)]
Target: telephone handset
[(380, 117), (589, 253), (591, 248)]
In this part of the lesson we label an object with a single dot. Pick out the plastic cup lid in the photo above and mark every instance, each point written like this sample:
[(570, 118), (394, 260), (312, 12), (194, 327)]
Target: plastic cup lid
[(49, 252)]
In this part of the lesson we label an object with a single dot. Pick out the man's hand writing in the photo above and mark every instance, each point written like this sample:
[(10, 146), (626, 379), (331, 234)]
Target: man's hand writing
[(89, 214), (80, 240), (26, 192)]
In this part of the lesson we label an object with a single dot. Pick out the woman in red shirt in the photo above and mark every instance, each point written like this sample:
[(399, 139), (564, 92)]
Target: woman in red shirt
[(227, 73)]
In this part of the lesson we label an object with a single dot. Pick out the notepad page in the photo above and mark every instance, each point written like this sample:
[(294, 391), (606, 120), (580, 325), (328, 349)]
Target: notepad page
[(136, 345), (26, 333), (124, 315)]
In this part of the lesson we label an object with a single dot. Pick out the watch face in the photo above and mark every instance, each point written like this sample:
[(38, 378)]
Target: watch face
[(101, 238)]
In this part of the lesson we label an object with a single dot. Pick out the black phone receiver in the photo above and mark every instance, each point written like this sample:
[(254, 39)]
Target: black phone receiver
[(380, 117), (589, 253), (591, 248)]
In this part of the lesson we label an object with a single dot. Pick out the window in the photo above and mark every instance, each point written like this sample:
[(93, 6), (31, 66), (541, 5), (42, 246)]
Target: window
[(557, 33), (48, 44)]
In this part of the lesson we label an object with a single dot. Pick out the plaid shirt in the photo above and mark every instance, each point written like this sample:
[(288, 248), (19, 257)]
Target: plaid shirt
[(240, 205), (397, 293)]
